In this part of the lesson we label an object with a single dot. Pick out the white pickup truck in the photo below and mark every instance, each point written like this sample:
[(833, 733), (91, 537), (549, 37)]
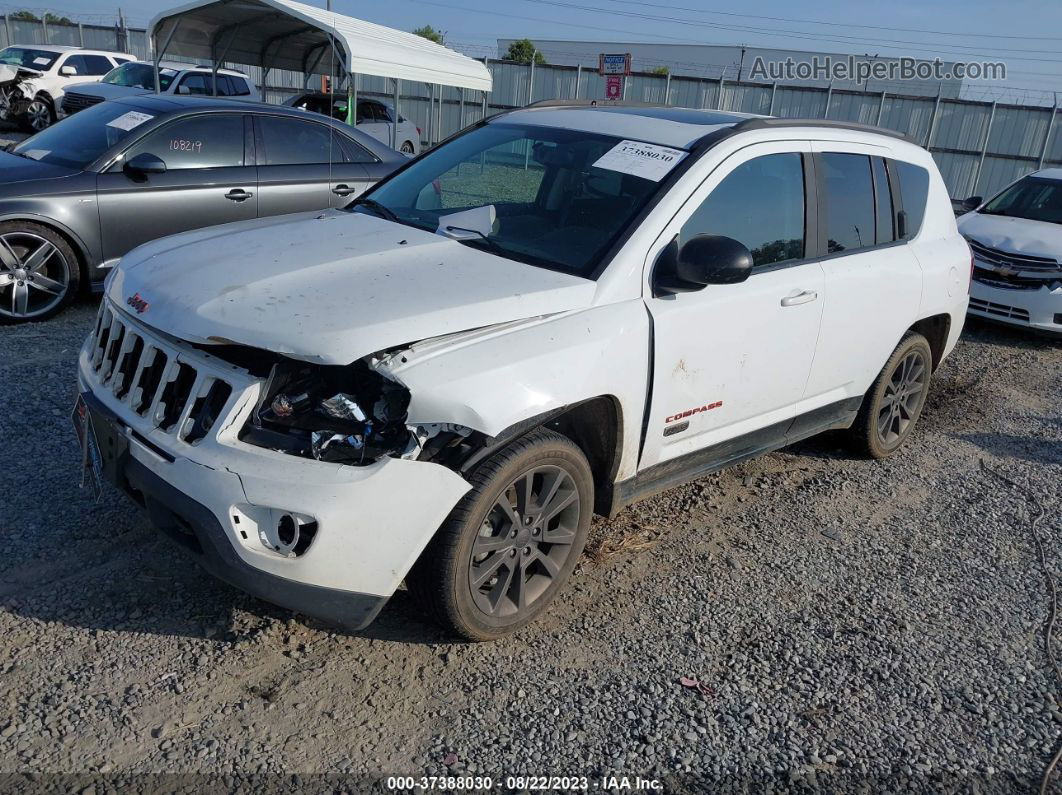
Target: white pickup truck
[(555, 313)]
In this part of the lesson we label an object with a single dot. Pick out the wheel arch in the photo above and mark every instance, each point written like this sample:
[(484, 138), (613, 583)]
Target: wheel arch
[(935, 329), (595, 425), (76, 243)]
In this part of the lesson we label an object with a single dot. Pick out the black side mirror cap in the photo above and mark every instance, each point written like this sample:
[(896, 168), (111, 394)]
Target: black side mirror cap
[(143, 164), (972, 203), (702, 260)]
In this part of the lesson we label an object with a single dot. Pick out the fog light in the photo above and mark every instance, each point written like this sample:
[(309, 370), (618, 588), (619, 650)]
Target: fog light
[(288, 534)]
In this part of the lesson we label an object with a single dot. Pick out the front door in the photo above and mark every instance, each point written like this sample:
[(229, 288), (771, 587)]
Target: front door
[(730, 362), (304, 165), (206, 182)]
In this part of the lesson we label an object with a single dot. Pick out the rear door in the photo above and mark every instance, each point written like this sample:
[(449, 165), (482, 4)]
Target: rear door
[(208, 181), (873, 281), (303, 165)]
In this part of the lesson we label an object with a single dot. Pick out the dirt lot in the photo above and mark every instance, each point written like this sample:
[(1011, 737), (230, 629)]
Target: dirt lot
[(851, 624)]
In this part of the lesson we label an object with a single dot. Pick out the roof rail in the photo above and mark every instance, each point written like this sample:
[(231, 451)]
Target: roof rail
[(767, 122)]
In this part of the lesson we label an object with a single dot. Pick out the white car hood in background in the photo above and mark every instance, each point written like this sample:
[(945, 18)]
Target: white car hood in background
[(1016, 235), (330, 287)]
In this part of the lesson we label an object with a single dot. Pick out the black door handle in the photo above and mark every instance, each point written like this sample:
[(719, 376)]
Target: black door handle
[(342, 190), (238, 195)]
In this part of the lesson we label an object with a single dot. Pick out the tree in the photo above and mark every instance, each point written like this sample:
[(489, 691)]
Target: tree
[(55, 19), (429, 33), (25, 16), (522, 51), (663, 71)]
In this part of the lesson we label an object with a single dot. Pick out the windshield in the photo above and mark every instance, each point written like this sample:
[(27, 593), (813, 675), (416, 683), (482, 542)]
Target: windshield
[(41, 60), (533, 194), (79, 139), (139, 75), (1031, 198)]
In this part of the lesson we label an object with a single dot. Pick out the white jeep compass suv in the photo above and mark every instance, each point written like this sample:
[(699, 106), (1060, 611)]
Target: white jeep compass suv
[(559, 311)]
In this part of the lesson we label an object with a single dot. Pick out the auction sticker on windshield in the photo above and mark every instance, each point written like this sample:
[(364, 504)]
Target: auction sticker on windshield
[(128, 121), (649, 161)]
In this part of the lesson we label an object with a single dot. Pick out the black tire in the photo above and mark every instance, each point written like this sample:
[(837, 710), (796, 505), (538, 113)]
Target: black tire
[(443, 578), (40, 110), (407, 148), (49, 286), (894, 393)]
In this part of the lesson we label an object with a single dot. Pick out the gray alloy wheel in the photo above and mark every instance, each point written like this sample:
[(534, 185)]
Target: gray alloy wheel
[(894, 402), (37, 275), (524, 542), (511, 542), (407, 147), (902, 398), (38, 115)]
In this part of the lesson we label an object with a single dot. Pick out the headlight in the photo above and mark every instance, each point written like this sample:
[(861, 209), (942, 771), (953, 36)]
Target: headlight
[(345, 415)]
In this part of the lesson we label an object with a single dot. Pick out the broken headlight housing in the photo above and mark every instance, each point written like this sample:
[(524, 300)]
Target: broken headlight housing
[(344, 415)]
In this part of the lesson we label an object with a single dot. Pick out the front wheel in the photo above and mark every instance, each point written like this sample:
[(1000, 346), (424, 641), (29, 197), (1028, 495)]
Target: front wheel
[(894, 403), (407, 148), (512, 541), (39, 115)]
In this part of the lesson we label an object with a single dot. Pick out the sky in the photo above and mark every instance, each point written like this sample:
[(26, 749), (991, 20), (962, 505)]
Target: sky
[(1026, 35)]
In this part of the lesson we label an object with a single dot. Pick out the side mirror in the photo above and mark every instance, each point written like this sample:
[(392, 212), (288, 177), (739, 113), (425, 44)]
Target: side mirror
[(971, 203), (702, 260), (143, 164), (68, 71)]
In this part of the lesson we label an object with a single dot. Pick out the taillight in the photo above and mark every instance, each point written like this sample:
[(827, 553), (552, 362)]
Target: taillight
[(969, 286), (419, 133)]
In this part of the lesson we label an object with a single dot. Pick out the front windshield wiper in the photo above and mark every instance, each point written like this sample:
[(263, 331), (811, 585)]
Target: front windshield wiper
[(380, 210), (494, 247)]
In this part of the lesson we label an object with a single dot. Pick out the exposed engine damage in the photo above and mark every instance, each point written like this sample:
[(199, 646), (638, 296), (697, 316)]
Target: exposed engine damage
[(343, 415), (15, 94)]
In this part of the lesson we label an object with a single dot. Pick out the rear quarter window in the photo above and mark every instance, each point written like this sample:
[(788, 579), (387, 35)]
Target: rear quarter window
[(914, 190)]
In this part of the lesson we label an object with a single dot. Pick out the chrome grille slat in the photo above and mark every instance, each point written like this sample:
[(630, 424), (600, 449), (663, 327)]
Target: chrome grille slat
[(119, 356), (1019, 262)]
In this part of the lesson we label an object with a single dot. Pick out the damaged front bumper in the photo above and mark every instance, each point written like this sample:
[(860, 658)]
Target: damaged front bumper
[(14, 97), (329, 540)]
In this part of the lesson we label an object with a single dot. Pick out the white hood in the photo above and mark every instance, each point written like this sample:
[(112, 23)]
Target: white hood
[(330, 287), (1016, 235)]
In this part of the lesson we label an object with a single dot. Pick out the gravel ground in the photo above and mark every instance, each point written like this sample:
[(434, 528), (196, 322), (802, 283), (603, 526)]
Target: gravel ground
[(851, 625), (10, 134)]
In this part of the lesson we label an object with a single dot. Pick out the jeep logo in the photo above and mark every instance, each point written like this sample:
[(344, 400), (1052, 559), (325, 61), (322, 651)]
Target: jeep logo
[(138, 303)]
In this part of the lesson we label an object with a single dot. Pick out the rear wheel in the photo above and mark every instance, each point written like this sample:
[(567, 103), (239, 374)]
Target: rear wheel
[(407, 147), (894, 403), (39, 272), (512, 541), (39, 115)]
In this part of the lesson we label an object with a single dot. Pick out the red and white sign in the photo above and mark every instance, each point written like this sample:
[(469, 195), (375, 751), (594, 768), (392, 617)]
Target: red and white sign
[(614, 87)]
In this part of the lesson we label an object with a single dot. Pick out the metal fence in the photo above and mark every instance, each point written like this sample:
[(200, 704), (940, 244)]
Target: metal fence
[(979, 146)]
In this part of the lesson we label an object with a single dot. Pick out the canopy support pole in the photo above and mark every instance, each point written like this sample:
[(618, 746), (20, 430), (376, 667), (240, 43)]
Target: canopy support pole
[(217, 61), (159, 51), (394, 121)]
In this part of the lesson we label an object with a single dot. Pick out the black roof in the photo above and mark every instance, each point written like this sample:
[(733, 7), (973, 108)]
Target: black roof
[(708, 117)]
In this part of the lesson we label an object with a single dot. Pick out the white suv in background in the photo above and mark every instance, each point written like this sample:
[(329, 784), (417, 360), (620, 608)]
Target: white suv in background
[(181, 79), (557, 312), (34, 77), (1016, 239)]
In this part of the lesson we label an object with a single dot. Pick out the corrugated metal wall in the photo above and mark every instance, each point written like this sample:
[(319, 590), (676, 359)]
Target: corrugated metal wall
[(979, 146)]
